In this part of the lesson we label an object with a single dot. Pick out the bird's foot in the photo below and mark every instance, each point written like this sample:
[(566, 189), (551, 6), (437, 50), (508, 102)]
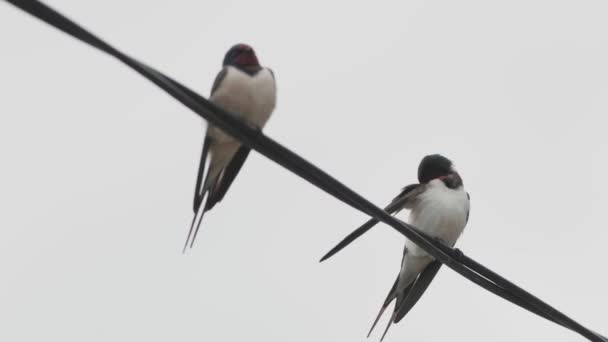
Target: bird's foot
[(440, 241), (459, 255)]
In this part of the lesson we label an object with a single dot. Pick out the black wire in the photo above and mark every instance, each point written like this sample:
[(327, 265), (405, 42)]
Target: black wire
[(533, 300), (253, 137)]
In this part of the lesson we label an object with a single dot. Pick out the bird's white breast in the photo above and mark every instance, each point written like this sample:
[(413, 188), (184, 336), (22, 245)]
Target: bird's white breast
[(440, 212), (252, 97)]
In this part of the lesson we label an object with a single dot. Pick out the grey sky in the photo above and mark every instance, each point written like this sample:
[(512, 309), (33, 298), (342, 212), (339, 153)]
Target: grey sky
[(98, 171)]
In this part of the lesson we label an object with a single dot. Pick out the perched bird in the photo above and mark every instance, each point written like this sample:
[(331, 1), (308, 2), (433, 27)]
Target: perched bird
[(247, 89), (439, 207)]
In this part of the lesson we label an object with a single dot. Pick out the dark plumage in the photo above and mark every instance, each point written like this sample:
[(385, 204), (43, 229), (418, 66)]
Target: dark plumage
[(242, 57)]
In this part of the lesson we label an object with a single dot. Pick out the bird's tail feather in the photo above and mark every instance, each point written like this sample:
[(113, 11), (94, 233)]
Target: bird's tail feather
[(194, 226), (202, 188), (227, 177), (387, 302), (388, 325), (392, 294), (198, 192), (417, 289)]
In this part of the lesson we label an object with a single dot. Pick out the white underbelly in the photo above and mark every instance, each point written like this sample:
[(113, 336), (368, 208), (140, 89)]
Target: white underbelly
[(251, 98), (442, 214)]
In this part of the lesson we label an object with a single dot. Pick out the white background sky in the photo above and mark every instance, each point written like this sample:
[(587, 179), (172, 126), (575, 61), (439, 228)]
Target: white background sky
[(98, 168)]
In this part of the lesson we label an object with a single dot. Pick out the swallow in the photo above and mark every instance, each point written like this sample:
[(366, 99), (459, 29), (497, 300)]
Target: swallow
[(247, 89), (439, 208)]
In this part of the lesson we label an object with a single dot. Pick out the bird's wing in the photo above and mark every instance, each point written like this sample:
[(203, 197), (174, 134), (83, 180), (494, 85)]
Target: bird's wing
[(218, 191), (412, 293), (405, 199), (199, 192), (389, 298), (218, 79), (418, 287)]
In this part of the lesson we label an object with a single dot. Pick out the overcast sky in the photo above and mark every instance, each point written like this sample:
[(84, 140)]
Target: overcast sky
[(98, 169)]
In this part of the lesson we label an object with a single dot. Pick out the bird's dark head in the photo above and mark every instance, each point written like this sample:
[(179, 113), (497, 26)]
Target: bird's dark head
[(436, 166), (241, 56)]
